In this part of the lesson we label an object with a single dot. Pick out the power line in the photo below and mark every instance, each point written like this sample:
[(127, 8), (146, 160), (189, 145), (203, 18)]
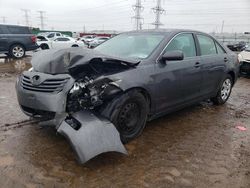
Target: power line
[(138, 8), (41, 18), (26, 16), (158, 10)]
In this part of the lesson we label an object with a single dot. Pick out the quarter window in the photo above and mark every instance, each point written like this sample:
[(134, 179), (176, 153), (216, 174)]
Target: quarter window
[(220, 50), (207, 45), (183, 42)]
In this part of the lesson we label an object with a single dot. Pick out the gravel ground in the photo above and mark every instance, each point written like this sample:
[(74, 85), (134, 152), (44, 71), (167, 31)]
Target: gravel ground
[(199, 146)]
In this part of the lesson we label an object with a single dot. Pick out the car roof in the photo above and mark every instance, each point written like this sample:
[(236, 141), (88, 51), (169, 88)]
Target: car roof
[(163, 31)]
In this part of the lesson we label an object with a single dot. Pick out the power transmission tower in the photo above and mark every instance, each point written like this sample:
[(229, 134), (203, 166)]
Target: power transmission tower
[(3, 19), (42, 18), (158, 10), (138, 8), (222, 26), (26, 16)]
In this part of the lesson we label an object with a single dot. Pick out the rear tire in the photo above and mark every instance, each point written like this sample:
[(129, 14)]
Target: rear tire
[(128, 113), (224, 91), (17, 51)]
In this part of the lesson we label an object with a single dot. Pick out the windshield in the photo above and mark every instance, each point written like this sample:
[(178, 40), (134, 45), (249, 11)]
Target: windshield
[(135, 46)]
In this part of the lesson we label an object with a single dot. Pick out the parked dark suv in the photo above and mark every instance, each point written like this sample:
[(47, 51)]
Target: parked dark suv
[(16, 40)]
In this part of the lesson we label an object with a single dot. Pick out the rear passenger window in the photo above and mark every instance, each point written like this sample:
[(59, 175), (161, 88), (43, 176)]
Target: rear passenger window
[(207, 45), (62, 39), (183, 42), (18, 30), (220, 50)]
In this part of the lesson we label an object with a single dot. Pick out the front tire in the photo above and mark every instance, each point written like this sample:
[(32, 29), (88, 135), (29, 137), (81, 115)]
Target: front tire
[(128, 114), (224, 91), (17, 51)]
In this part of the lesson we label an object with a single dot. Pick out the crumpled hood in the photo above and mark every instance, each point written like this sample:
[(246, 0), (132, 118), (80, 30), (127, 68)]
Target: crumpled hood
[(61, 61)]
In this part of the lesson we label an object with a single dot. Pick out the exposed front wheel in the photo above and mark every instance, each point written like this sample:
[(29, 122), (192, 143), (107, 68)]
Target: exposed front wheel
[(17, 51), (128, 114), (224, 91)]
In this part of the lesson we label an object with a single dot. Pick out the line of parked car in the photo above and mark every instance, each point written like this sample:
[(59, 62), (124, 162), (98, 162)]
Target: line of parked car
[(57, 40)]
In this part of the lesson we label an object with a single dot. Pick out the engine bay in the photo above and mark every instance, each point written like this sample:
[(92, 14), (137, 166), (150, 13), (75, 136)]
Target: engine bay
[(88, 93)]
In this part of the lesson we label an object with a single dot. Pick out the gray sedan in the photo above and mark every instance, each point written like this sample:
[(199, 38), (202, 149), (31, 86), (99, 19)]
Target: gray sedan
[(102, 98)]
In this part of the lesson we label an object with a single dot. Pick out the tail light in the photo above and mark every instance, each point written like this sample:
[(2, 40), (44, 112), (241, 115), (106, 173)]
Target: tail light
[(33, 39)]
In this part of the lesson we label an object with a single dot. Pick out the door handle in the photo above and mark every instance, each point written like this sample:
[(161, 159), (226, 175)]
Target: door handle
[(225, 59), (197, 65)]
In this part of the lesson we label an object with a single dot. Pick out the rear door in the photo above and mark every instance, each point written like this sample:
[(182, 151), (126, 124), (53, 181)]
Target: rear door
[(179, 81), (3, 38), (213, 59)]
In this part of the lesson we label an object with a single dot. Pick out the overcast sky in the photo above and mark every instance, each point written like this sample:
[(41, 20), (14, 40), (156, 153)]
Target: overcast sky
[(205, 15)]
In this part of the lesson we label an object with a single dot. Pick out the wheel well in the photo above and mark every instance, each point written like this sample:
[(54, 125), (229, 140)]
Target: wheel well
[(74, 45), (44, 44), (17, 43), (232, 74), (144, 92)]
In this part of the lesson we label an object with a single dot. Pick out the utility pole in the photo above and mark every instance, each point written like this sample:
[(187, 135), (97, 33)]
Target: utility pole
[(41, 18), (26, 16), (3, 19), (138, 8), (158, 10)]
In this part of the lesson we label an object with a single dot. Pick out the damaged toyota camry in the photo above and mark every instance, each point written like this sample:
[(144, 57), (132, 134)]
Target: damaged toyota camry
[(101, 98)]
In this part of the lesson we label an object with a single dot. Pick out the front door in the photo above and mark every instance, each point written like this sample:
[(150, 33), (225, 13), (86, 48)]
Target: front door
[(179, 82)]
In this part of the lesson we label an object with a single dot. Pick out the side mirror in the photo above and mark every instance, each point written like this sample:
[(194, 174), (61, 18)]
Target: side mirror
[(176, 55)]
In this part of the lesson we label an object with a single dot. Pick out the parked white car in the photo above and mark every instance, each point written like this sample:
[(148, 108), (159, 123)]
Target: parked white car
[(58, 43), (87, 38), (97, 41)]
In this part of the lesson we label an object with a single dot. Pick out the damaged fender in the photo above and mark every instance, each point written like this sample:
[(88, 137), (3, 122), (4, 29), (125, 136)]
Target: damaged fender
[(90, 135)]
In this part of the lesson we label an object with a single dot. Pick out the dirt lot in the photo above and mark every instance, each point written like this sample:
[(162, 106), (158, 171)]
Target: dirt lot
[(197, 147)]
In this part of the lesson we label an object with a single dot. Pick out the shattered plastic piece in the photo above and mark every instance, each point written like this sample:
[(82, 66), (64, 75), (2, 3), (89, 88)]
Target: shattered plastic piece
[(241, 128), (90, 135)]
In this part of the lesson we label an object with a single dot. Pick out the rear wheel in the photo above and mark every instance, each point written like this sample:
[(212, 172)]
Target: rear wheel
[(17, 51), (128, 114), (224, 91)]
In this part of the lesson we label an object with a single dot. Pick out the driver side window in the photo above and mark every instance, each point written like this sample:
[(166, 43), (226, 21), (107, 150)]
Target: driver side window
[(183, 42)]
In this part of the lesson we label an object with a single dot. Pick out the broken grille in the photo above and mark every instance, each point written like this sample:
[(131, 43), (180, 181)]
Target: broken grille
[(47, 86)]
